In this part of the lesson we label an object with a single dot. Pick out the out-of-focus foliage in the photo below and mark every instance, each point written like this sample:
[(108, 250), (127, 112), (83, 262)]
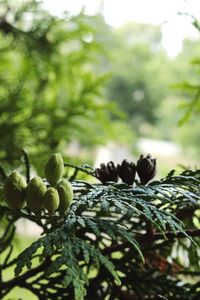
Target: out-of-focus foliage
[(138, 83), (52, 90), (142, 83), (49, 92), (189, 85)]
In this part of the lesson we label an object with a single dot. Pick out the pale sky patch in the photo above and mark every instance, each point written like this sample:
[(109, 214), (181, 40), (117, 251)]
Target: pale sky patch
[(158, 12)]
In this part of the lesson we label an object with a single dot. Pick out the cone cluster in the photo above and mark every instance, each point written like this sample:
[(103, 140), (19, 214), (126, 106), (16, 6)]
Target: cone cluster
[(38, 196), (126, 171)]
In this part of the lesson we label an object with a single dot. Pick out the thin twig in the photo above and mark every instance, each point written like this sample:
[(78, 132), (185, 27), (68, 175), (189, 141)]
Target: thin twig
[(8, 256), (83, 168), (3, 173), (27, 164)]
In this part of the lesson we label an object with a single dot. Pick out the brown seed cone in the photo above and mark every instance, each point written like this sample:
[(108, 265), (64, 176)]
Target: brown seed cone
[(146, 168), (126, 172), (107, 172)]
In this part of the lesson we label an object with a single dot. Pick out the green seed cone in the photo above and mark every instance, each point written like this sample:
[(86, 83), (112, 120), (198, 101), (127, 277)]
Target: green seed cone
[(51, 200), (65, 192), (34, 194), (54, 168), (14, 190)]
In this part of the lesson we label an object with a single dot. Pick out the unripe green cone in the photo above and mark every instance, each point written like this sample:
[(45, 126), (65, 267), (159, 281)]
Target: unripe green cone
[(14, 190), (51, 200), (65, 192), (54, 168), (34, 194)]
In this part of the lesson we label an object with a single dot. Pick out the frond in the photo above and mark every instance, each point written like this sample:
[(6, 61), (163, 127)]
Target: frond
[(104, 219)]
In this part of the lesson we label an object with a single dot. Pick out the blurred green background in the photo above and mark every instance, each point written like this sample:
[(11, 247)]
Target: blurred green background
[(73, 83)]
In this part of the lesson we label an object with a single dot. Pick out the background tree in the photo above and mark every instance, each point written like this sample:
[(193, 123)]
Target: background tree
[(49, 92), (52, 89), (138, 84)]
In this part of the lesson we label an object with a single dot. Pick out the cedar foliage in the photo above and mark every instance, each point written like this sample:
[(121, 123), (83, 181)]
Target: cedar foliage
[(116, 241)]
